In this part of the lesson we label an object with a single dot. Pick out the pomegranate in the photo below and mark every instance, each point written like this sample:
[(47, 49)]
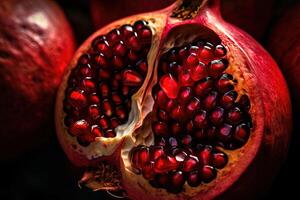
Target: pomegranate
[(33, 56), (251, 15), (174, 104)]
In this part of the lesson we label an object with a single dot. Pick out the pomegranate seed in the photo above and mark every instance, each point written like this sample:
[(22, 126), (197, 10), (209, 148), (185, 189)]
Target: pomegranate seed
[(205, 156), (85, 71), (210, 100), (143, 156), (173, 142), (101, 60), (194, 50), (104, 89), (216, 67), (79, 128), (241, 133), (138, 25), (96, 131), (179, 154), (160, 128), (110, 133), (192, 60), (198, 72), (134, 43), (84, 59), (162, 115), (113, 36), (104, 48), (156, 152), (245, 102), (216, 116), (125, 90), (120, 49), (88, 85), (131, 78), (189, 127), (146, 35), (170, 105), (148, 171), (107, 108), (161, 98), (225, 83), (160, 141), (183, 53), (135, 158), (224, 134), (103, 122), (185, 94), (205, 54), (126, 31), (178, 113), (114, 123), (176, 129), (228, 99), (186, 140), (118, 62), (235, 115), (116, 98), (94, 111), (104, 74), (185, 78), (220, 50), (94, 98), (190, 163), (200, 135), (165, 164), (162, 180), (142, 67), (219, 160), (121, 113), (208, 173), (200, 119), (169, 85), (203, 87), (174, 68), (193, 106), (77, 99), (177, 181), (194, 179), (132, 56)]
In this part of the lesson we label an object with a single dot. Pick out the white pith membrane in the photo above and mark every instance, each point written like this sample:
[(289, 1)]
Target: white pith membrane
[(138, 131)]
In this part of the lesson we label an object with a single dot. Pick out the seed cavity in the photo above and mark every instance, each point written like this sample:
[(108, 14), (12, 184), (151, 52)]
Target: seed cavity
[(99, 90)]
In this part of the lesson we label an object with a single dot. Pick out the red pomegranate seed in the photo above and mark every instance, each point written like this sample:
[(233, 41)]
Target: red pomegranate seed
[(174, 68), (185, 78), (203, 87), (179, 154), (176, 129), (120, 49), (160, 141), (132, 56), (178, 113), (104, 89), (216, 67), (217, 116), (88, 85), (160, 128), (169, 85), (101, 60), (142, 67), (143, 156), (110, 133), (77, 99), (84, 59), (134, 43), (241, 133), (173, 142), (96, 131), (220, 51), (86, 138), (177, 181), (208, 173), (114, 122), (104, 74), (113, 36), (206, 53), (183, 53), (162, 180), (85, 71), (125, 90), (189, 127), (186, 140), (94, 98), (219, 160), (205, 156), (121, 113), (146, 35), (192, 60), (200, 135), (131, 78), (225, 83), (210, 100), (107, 107), (170, 105), (165, 164), (190, 163), (235, 115), (200, 119), (194, 49), (148, 171), (162, 115), (94, 111), (225, 133), (118, 62), (116, 98), (228, 99), (194, 179), (126, 31), (193, 106), (198, 72), (103, 122), (80, 127), (161, 98), (156, 152), (104, 48), (244, 102), (185, 94)]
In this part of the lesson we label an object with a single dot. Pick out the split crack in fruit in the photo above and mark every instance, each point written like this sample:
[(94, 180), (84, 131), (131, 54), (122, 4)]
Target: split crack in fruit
[(179, 105)]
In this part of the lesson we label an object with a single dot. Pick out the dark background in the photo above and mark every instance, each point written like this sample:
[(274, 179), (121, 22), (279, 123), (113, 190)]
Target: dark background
[(46, 173)]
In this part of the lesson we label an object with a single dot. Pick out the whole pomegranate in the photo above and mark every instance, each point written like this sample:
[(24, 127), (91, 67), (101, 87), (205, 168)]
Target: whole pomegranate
[(36, 44), (251, 15), (174, 104)]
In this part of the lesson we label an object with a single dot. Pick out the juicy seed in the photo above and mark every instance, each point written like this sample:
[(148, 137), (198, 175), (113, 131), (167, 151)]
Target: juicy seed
[(169, 85), (131, 78)]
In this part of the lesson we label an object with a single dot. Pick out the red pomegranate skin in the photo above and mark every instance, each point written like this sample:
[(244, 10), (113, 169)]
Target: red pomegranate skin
[(36, 44), (253, 16)]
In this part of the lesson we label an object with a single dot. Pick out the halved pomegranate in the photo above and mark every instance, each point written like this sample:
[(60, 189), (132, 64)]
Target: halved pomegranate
[(175, 104)]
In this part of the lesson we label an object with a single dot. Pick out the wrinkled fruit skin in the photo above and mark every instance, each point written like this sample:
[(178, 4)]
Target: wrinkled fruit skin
[(195, 56), (253, 16), (33, 56), (285, 47)]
